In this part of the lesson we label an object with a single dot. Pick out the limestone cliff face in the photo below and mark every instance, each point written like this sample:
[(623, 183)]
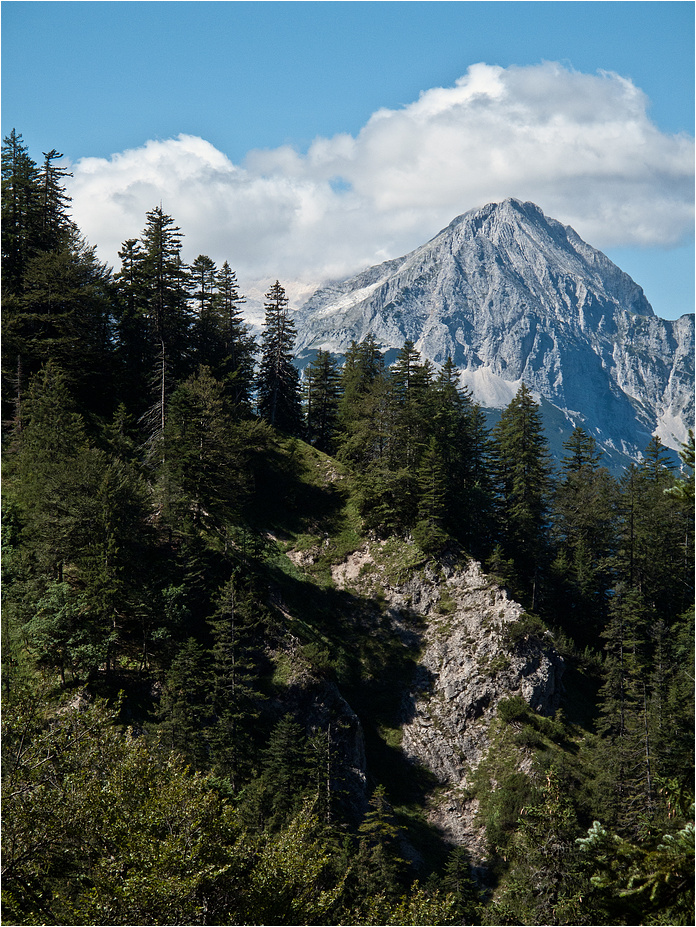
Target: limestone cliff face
[(468, 664), (472, 652)]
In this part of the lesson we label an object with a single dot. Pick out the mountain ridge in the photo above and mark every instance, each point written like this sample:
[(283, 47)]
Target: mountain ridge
[(513, 296)]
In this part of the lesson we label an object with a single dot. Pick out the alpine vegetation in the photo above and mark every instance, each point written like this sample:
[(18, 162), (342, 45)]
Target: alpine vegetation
[(296, 632)]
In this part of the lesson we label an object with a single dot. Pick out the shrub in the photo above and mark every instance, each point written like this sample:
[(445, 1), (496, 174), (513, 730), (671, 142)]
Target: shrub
[(513, 709), (528, 626)]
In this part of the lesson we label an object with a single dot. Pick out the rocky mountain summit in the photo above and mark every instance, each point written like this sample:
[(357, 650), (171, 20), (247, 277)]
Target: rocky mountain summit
[(513, 296)]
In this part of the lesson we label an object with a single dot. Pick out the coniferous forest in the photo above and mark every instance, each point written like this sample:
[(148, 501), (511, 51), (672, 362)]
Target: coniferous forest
[(173, 752)]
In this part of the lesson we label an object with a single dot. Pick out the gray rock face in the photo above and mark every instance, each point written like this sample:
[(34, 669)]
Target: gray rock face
[(467, 664), (511, 295)]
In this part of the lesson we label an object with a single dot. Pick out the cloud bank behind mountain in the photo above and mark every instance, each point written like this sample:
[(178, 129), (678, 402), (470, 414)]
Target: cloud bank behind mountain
[(581, 146)]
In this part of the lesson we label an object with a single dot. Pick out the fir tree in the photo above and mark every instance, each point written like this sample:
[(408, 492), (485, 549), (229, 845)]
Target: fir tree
[(278, 391), (523, 475), (322, 394)]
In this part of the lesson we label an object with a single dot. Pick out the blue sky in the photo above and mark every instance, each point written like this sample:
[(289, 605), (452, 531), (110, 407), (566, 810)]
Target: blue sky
[(235, 114)]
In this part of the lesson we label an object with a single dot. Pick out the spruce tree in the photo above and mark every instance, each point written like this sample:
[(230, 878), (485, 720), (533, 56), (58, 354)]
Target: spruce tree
[(205, 335), (239, 347), (390, 436), (203, 471), (458, 426), (380, 865), (584, 531), (20, 212), (429, 532), (524, 485), (322, 394), (52, 439), (655, 536), (56, 294), (135, 349), (185, 709), (284, 775), (20, 226), (278, 383), (235, 694), (458, 880), (409, 380), (626, 749), (364, 364), (85, 527), (546, 882), (67, 302), (55, 219), (165, 281), (362, 408)]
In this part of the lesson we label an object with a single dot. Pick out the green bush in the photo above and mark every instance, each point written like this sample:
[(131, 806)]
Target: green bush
[(514, 709), (527, 627)]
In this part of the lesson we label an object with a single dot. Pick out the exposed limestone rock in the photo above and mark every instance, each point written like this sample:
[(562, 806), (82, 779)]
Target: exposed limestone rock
[(474, 652), (467, 667)]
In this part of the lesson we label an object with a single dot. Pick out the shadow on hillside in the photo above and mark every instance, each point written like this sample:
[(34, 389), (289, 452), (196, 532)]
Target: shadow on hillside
[(288, 498)]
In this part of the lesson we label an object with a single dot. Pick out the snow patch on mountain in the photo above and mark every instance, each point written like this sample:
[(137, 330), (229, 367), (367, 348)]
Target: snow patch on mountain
[(489, 389), (671, 429)]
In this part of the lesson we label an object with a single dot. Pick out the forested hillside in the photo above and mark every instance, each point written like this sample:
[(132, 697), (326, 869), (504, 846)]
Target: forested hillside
[(203, 719)]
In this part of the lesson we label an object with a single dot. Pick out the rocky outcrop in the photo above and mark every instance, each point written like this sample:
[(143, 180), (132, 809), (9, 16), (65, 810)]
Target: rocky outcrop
[(471, 661), (475, 647)]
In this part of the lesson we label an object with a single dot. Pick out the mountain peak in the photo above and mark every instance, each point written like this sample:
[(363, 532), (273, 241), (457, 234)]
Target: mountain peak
[(514, 296), (510, 209)]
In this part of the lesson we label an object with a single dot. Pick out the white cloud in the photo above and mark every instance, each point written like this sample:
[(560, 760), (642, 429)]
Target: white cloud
[(580, 146)]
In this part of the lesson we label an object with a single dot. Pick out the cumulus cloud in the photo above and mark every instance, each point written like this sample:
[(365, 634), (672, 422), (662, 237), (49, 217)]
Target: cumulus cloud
[(581, 146)]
